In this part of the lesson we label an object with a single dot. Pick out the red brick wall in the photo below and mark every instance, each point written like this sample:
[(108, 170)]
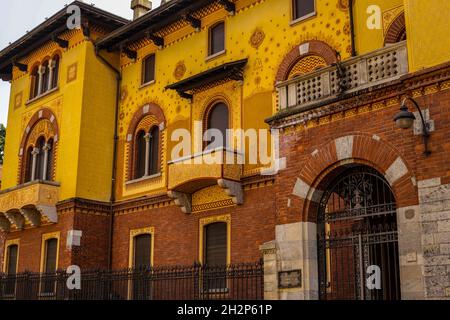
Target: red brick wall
[(177, 233), (297, 147), (30, 244)]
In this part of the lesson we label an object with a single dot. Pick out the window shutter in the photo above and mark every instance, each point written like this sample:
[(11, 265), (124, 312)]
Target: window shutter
[(217, 38), (154, 150), (218, 119), (142, 251), (12, 259), (216, 244), (140, 155), (149, 69), (303, 8), (50, 255)]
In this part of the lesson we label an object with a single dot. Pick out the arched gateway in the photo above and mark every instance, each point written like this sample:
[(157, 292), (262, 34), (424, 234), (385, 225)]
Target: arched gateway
[(357, 236)]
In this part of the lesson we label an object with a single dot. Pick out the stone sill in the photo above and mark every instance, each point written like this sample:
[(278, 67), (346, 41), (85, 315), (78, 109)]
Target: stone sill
[(47, 93)]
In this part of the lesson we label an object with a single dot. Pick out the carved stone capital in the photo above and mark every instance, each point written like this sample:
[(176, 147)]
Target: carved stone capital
[(233, 189), (183, 200)]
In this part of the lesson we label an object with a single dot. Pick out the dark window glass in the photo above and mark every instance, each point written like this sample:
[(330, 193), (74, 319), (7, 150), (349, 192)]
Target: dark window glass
[(142, 251), (48, 279), (12, 255), (11, 270), (40, 163), (154, 150), (148, 69), (303, 8), (49, 160), (55, 72), (29, 167), (45, 76), (51, 248), (218, 119), (216, 244), (217, 38), (215, 257), (140, 155), (34, 83)]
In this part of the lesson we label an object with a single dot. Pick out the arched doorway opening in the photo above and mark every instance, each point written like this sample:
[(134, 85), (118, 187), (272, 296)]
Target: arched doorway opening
[(357, 237)]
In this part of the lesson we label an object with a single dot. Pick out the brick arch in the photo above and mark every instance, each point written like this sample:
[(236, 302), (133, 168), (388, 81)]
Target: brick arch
[(40, 115), (316, 47), (148, 109), (135, 125), (326, 162), (396, 31)]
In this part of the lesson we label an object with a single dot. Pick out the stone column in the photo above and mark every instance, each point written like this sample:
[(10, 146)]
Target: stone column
[(147, 155), (41, 72), (434, 197), (410, 253), (46, 151), (34, 154), (293, 253), (269, 253), (51, 67)]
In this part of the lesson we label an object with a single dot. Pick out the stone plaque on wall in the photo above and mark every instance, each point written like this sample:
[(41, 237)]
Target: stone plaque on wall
[(290, 279)]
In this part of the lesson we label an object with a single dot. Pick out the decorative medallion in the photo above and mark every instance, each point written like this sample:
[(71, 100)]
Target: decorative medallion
[(180, 70), (18, 100), (123, 93), (72, 72), (343, 5), (257, 38)]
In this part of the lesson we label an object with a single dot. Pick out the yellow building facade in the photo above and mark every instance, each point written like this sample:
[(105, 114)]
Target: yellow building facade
[(72, 160)]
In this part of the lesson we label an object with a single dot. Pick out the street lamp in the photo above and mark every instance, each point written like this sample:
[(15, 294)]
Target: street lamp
[(405, 120)]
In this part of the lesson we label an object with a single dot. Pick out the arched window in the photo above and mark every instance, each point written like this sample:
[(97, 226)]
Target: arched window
[(45, 76), (147, 153), (217, 38), (396, 31), (154, 150), (39, 160), (55, 73), (218, 118), (29, 164), (140, 155), (34, 90)]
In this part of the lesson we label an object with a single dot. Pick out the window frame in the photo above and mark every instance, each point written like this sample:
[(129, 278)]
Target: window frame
[(143, 70), (45, 238), (206, 121), (294, 19), (211, 54), (9, 243), (136, 233), (210, 220)]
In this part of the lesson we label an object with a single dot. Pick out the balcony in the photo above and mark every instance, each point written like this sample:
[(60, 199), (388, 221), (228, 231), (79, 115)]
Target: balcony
[(216, 167), (355, 74), (28, 205)]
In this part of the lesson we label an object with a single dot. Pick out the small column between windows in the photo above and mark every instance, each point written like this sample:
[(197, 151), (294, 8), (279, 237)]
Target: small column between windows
[(34, 153), (147, 138), (46, 149)]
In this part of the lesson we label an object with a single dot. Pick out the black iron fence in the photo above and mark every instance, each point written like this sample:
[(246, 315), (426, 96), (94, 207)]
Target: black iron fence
[(234, 282)]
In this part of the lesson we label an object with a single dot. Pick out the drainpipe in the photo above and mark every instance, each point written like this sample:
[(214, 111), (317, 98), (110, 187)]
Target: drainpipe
[(114, 167), (352, 27)]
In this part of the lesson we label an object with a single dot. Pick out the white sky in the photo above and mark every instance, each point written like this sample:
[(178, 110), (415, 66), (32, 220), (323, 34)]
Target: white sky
[(19, 16)]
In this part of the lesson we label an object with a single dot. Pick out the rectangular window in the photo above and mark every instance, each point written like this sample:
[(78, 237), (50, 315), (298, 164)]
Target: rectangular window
[(142, 251), (142, 286), (217, 38), (215, 257), (148, 69), (50, 265), (303, 9), (12, 254)]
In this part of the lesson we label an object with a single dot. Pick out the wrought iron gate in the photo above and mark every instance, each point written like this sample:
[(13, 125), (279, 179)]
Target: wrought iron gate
[(357, 229)]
